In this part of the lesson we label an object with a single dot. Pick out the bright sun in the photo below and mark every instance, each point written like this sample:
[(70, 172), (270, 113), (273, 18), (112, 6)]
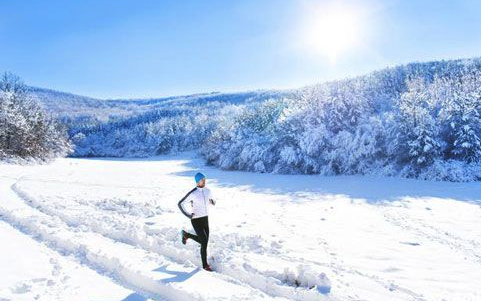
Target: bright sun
[(331, 30)]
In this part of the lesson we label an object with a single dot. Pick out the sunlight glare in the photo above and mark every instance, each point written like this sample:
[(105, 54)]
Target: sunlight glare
[(332, 30)]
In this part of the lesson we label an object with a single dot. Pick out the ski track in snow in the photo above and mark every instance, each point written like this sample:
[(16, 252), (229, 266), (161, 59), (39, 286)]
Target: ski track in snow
[(124, 239)]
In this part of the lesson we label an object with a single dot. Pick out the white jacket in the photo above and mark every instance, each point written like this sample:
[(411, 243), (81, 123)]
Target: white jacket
[(198, 198)]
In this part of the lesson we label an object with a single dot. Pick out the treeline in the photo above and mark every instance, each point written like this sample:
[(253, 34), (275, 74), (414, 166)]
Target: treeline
[(419, 120), (26, 130), (174, 128)]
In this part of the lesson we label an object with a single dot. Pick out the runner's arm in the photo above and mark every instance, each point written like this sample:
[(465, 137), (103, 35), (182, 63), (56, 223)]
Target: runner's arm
[(180, 204)]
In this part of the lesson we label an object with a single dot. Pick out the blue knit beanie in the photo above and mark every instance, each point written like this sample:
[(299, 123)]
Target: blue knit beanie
[(199, 176)]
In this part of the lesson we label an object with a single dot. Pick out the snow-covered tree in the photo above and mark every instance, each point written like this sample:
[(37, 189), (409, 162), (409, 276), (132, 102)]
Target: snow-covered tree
[(417, 134), (26, 130), (463, 110), (422, 118)]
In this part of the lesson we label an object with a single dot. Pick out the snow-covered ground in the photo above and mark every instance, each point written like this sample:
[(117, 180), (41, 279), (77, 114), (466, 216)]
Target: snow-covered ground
[(109, 229)]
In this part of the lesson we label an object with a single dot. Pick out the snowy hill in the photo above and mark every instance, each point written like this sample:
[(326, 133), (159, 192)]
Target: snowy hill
[(417, 120), (70, 107)]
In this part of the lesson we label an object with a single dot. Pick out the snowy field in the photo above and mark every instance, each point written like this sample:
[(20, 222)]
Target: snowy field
[(109, 229)]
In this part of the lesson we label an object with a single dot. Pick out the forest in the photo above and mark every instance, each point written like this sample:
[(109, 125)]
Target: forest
[(420, 120)]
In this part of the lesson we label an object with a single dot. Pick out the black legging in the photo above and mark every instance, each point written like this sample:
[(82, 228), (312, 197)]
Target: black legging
[(201, 227)]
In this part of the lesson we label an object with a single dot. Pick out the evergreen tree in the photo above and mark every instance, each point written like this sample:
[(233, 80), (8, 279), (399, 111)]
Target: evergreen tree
[(27, 131), (417, 132), (461, 113)]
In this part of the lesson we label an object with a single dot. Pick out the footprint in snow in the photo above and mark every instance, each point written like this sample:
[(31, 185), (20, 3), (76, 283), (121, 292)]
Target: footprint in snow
[(410, 243), (21, 288), (35, 280)]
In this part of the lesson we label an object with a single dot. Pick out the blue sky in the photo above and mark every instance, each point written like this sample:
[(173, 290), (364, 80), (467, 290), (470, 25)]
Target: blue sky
[(129, 49)]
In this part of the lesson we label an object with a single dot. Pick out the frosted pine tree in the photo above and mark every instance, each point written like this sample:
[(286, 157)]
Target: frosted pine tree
[(26, 129), (461, 110), (467, 130), (417, 131)]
